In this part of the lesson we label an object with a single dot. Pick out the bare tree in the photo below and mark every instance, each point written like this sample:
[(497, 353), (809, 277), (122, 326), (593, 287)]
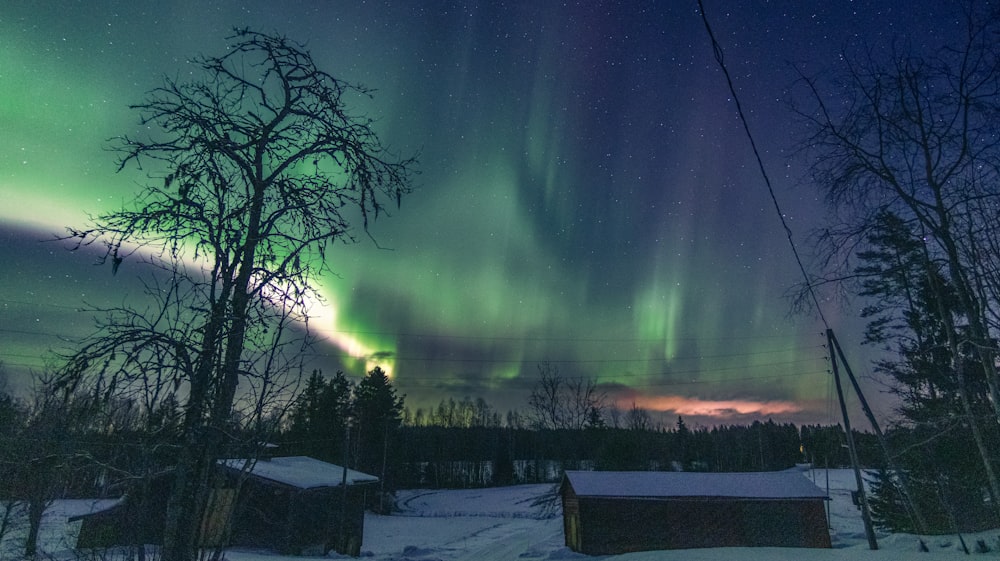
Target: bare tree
[(615, 416), (638, 419), (255, 170), (918, 138), (13, 418), (558, 402)]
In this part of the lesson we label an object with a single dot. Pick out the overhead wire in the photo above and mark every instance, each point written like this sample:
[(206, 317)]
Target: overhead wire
[(444, 359), (720, 59), (611, 379), (869, 530)]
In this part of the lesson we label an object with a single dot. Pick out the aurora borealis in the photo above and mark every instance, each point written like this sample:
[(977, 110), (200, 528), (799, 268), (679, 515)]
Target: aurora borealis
[(587, 196)]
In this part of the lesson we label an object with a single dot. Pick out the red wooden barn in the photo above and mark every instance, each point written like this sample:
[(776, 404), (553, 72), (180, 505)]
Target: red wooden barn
[(295, 505), (607, 513)]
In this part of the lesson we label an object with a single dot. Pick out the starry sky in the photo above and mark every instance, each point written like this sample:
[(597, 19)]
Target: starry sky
[(586, 197)]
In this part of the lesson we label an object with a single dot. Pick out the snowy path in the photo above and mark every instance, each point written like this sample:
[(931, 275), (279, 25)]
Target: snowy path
[(465, 525)]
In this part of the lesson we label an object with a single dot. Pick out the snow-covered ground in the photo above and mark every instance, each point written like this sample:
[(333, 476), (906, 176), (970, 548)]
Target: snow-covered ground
[(503, 524), (56, 534)]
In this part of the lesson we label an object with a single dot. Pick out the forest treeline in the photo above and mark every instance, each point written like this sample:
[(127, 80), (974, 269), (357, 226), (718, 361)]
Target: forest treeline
[(86, 449), (440, 456), (565, 424)]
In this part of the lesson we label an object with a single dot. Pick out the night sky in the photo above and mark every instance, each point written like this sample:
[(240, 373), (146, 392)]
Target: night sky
[(587, 195)]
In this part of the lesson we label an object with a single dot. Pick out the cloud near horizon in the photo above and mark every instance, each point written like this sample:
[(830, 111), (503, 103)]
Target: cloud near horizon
[(722, 409)]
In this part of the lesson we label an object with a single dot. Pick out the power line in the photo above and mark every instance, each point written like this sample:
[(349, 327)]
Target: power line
[(720, 59), (396, 358), (655, 374), (439, 381), (48, 304), (404, 334)]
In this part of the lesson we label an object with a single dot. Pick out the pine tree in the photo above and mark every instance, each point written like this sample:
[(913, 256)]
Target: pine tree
[(378, 414), (319, 419)]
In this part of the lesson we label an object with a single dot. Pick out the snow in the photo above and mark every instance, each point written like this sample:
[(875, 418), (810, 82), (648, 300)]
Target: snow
[(57, 533), (790, 484), (302, 472), (504, 524)]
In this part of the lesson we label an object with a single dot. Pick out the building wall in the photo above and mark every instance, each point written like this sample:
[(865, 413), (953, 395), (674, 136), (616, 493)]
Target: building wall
[(289, 520), (609, 526), (139, 519), (571, 520)]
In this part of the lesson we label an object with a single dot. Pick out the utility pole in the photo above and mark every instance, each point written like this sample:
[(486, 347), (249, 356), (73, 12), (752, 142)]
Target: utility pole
[(342, 539), (862, 496), (904, 487)]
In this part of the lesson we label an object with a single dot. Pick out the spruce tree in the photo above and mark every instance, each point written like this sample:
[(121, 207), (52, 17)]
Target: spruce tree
[(378, 414), (918, 318)]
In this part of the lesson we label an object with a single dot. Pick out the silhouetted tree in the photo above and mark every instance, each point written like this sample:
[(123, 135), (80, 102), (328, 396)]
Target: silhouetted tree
[(48, 445), (684, 442), (320, 416), (638, 419), (378, 414), (916, 138), (13, 418), (917, 316), (559, 402), (254, 170)]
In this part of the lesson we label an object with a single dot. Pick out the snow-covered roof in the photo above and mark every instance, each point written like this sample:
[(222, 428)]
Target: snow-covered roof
[(302, 472), (78, 509), (663, 484)]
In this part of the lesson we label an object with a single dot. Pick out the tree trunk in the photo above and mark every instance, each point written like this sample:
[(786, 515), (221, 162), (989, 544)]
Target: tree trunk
[(183, 508), (8, 515), (190, 493), (973, 306), (187, 503), (36, 508)]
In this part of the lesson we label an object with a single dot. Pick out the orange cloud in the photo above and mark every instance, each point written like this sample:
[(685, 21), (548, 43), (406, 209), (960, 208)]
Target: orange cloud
[(693, 406)]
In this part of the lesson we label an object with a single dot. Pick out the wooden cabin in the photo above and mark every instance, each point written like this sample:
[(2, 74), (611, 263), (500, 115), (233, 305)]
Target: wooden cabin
[(294, 505), (608, 513)]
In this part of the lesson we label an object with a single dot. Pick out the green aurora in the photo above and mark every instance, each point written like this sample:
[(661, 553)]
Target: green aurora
[(587, 196)]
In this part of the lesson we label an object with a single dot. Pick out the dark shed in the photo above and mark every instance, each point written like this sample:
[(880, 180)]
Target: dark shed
[(607, 513), (295, 505)]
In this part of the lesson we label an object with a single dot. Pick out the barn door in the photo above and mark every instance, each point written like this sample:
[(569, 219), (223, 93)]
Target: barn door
[(213, 524), (573, 531)]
